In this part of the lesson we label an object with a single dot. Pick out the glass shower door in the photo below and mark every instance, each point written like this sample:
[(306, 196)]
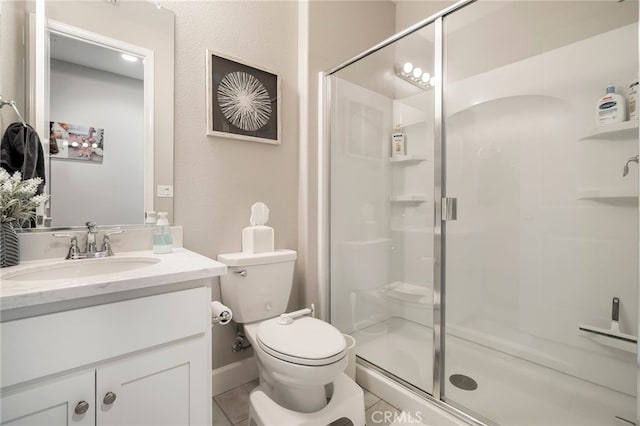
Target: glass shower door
[(546, 235), (381, 238)]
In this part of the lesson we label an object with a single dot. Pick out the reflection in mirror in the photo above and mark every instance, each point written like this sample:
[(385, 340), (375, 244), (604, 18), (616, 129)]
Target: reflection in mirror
[(96, 132)]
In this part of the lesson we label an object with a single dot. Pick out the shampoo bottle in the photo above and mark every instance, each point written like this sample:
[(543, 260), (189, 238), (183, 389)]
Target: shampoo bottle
[(611, 107), (162, 241), (398, 147)]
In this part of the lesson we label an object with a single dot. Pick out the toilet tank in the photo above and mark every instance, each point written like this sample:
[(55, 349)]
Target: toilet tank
[(257, 286)]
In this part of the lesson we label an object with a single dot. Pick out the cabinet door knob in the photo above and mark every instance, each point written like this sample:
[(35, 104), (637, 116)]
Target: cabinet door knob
[(81, 407), (109, 398)]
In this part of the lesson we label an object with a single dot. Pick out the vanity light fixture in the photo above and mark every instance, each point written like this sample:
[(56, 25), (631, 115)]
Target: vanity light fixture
[(414, 75), (129, 58)]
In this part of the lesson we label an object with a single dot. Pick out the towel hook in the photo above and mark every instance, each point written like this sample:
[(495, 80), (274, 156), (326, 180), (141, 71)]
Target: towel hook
[(12, 104)]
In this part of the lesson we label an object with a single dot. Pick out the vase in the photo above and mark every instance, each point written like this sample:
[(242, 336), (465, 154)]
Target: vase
[(9, 245)]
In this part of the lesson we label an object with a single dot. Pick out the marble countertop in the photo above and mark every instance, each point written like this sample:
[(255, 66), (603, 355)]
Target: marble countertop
[(178, 266)]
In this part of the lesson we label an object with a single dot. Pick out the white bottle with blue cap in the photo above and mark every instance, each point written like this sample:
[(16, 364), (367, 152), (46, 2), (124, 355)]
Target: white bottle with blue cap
[(611, 107)]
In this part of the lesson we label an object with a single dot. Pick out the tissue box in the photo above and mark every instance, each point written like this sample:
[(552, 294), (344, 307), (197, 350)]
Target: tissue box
[(257, 239)]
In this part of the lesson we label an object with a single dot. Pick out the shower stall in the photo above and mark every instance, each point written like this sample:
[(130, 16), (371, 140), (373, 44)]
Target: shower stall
[(489, 265)]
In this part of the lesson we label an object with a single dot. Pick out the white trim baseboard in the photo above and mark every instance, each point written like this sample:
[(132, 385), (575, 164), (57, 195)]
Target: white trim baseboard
[(231, 375)]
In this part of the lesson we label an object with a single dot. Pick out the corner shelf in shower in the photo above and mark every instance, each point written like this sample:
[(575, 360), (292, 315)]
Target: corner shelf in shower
[(409, 198), (408, 158), (413, 230), (608, 194), (626, 129)]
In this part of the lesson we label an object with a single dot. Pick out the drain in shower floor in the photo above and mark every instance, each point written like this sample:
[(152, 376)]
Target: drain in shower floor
[(463, 382)]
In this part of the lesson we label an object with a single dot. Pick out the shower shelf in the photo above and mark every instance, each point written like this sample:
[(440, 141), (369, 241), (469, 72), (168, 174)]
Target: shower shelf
[(408, 158), (608, 194), (413, 230), (409, 198), (626, 129)]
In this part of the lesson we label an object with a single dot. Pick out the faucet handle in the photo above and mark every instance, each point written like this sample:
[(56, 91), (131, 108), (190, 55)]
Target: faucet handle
[(106, 240), (114, 231), (74, 251)]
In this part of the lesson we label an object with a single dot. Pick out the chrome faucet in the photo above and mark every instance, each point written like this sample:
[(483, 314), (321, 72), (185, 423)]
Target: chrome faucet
[(635, 159), (91, 239), (91, 249)]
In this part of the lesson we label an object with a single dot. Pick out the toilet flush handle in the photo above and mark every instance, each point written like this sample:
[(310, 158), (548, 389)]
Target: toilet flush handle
[(286, 319)]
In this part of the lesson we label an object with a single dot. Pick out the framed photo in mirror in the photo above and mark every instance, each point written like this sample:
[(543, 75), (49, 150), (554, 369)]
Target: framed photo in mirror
[(243, 101)]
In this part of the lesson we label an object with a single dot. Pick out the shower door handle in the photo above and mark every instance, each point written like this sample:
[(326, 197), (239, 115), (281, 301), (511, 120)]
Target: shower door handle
[(449, 209)]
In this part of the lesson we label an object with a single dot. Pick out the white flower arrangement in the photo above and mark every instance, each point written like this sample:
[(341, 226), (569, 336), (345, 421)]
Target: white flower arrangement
[(18, 199)]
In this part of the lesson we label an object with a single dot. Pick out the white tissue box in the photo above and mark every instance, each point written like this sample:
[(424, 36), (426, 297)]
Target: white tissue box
[(257, 239)]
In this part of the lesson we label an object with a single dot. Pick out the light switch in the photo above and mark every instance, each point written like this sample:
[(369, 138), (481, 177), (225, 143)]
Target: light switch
[(165, 191)]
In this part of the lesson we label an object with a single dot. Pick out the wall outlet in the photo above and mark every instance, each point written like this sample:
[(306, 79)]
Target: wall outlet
[(165, 191)]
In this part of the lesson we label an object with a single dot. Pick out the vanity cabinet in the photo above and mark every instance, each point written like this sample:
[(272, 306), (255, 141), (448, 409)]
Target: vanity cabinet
[(143, 361), (51, 403)]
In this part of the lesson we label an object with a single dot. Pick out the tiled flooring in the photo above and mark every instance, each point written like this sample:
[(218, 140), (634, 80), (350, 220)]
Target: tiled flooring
[(232, 408)]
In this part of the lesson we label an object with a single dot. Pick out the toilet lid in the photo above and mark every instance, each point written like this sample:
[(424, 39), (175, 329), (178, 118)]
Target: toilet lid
[(306, 341)]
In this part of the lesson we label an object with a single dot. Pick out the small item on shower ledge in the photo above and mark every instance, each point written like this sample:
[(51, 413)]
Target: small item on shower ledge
[(611, 107), (398, 147), (258, 238)]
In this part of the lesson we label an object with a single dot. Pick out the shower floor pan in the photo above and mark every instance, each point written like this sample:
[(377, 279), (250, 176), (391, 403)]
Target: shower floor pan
[(510, 390)]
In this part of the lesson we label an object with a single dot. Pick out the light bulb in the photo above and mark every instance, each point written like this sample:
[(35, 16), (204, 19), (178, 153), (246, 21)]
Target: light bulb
[(417, 72), (432, 81), (74, 144), (85, 145), (94, 145), (425, 77), (407, 68)]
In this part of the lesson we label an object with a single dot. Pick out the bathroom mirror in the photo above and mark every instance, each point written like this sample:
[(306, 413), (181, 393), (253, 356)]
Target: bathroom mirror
[(105, 71)]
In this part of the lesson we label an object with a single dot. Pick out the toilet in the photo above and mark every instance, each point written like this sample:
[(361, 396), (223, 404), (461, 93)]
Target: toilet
[(297, 355)]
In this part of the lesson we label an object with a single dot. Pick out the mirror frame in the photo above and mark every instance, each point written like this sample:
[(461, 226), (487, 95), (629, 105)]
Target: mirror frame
[(158, 82)]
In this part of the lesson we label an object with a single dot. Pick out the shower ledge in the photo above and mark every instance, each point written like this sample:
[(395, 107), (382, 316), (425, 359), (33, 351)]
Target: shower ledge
[(408, 158), (409, 198), (626, 129), (609, 194)]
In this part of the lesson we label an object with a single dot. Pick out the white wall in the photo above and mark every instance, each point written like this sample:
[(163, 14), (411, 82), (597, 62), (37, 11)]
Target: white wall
[(218, 179), (110, 192)]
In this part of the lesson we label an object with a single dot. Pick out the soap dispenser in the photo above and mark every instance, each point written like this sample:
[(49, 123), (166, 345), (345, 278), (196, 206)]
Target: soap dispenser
[(162, 242)]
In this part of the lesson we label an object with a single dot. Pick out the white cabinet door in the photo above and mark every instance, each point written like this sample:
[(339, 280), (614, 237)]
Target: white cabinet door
[(52, 403), (160, 387)]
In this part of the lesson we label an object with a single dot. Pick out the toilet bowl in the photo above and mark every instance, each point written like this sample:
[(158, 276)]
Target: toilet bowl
[(297, 356), (297, 360)]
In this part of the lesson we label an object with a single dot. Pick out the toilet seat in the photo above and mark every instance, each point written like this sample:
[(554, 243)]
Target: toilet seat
[(305, 341)]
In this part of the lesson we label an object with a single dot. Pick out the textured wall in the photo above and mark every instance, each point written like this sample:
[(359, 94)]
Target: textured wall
[(217, 179)]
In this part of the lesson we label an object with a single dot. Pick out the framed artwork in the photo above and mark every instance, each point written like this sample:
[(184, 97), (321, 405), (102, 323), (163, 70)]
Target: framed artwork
[(243, 101), (76, 142)]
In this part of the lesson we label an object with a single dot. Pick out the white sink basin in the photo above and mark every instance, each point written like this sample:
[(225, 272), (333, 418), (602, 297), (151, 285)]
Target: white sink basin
[(69, 269)]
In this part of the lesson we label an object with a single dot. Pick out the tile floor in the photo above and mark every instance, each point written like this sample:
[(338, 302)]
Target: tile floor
[(232, 408)]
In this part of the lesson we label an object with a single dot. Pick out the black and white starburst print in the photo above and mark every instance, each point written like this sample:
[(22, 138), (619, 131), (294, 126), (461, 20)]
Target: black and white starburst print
[(244, 101)]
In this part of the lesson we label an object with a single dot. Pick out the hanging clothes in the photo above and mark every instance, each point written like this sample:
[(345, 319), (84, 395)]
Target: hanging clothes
[(21, 150)]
